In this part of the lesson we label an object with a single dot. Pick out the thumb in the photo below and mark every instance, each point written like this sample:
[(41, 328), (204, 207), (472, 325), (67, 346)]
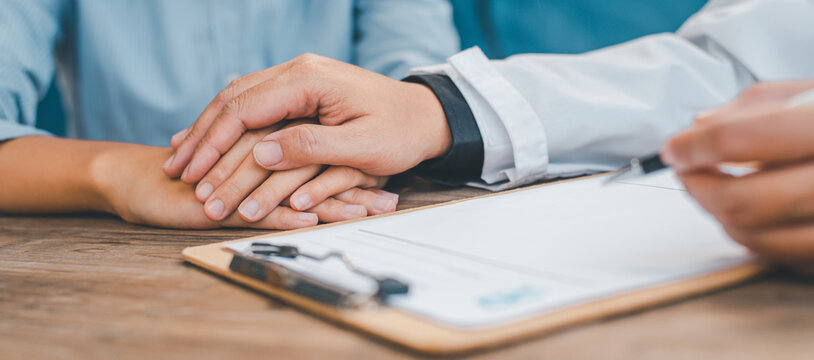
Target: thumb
[(309, 144)]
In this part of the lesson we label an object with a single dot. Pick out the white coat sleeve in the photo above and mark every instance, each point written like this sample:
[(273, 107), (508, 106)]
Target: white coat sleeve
[(545, 116)]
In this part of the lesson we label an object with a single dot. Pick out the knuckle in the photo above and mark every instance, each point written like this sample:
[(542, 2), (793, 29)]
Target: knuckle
[(360, 196), (320, 189), (234, 105), (268, 195), (207, 143), (727, 140), (757, 92), (349, 175), (234, 85), (249, 138), (355, 196), (308, 63), (194, 131), (306, 139), (307, 58), (215, 176), (230, 190), (226, 95)]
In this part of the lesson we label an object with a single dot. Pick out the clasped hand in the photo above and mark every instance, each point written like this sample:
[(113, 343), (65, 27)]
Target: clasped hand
[(234, 151), (234, 183)]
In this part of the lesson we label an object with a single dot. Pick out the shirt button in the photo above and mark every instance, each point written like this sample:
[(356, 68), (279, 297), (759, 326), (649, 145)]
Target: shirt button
[(231, 77)]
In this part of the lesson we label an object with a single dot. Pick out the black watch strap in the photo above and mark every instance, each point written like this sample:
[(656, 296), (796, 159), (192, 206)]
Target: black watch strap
[(464, 160)]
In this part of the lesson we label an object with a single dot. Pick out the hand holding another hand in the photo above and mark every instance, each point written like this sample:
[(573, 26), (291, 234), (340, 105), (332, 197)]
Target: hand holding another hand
[(368, 121), (236, 182)]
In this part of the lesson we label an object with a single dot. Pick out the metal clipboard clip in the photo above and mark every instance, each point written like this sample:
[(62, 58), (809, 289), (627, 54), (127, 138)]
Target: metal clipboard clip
[(258, 263)]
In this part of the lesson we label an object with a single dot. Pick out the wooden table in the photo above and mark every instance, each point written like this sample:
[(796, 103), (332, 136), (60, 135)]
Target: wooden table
[(92, 286)]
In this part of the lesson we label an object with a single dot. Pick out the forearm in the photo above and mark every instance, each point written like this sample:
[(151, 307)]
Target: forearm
[(51, 175)]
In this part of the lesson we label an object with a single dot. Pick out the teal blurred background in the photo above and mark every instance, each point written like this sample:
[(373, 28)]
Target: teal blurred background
[(506, 27)]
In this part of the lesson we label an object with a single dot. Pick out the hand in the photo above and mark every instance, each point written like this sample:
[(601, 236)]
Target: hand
[(770, 211), (387, 126), (128, 178), (237, 182)]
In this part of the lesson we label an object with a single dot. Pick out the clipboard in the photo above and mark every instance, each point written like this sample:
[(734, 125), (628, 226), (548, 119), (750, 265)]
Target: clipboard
[(422, 335)]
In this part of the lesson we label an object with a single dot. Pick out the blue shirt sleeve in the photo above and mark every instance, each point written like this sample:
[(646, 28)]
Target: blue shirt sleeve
[(393, 36), (31, 30)]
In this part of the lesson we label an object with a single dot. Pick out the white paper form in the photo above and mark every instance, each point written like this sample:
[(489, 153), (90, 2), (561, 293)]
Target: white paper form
[(492, 260)]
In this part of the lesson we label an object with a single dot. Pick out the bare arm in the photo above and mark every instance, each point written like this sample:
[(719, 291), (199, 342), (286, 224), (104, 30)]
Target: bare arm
[(43, 174), (52, 175)]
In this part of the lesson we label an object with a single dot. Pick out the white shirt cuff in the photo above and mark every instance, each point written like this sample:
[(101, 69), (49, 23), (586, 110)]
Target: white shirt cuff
[(515, 144)]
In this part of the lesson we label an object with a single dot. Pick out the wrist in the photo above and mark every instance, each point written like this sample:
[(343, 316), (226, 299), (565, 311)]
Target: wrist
[(430, 112), (103, 175), (112, 168)]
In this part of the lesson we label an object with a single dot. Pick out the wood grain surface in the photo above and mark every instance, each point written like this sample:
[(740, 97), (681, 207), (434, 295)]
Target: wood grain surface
[(93, 287)]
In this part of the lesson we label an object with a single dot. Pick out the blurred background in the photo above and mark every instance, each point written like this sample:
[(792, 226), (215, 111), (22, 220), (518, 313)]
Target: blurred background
[(506, 27)]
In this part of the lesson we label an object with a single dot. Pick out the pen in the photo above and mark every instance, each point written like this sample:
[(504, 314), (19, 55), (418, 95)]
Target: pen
[(646, 165), (638, 167)]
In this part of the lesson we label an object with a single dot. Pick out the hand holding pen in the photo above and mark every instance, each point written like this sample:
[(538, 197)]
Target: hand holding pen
[(771, 211)]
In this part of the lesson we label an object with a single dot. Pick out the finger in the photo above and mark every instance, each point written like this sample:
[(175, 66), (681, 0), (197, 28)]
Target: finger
[(175, 140), (184, 150), (276, 99), (274, 190), (793, 244), (332, 181), (704, 187), (767, 134), (375, 201), (333, 210), (281, 218), (225, 198), (760, 94), (762, 199), (315, 144), (229, 163)]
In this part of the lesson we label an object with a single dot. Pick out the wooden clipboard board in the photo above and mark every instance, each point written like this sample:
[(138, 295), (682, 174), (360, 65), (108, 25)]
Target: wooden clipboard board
[(424, 336)]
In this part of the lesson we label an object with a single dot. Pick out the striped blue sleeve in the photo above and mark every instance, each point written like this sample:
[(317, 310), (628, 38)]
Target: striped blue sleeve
[(393, 36), (31, 29)]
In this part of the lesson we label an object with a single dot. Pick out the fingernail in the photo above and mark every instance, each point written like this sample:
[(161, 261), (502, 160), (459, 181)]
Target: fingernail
[(302, 202), (169, 161), (308, 218), (384, 204), (355, 210), (186, 171), (203, 191), (392, 196), (249, 208), (268, 153), (215, 208)]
